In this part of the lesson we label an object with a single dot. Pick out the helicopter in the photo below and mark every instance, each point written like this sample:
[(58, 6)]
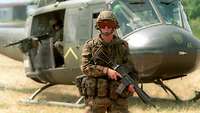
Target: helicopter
[(162, 46)]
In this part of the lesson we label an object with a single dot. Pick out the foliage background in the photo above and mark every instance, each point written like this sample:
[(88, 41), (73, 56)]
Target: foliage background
[(192, 8)]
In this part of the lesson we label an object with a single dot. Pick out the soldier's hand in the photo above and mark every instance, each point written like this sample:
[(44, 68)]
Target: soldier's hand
[(131, 88), (113, 74)]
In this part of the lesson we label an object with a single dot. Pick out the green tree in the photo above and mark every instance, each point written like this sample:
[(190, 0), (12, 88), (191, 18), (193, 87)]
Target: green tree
[(192, 8)]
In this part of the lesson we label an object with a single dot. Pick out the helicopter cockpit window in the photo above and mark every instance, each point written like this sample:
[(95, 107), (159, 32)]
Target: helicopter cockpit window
[(133, 14), (170, 11)]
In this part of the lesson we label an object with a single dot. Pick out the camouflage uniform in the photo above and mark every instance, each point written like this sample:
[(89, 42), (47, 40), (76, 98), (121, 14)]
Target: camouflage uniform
[(57, 35), (58, 40), (101, 95), (56, 31)]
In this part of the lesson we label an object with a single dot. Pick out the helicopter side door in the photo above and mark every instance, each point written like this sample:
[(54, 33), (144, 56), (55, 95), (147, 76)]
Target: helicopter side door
[(44, 57), (76, 32), (79, 27)]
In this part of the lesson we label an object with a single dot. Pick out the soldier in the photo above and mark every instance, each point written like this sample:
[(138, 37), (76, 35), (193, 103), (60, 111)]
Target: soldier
[(99, 87), (58, 35)]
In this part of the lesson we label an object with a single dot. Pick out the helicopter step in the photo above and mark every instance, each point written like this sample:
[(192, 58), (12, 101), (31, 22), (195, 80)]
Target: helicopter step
[(168, 90), (31, 100)]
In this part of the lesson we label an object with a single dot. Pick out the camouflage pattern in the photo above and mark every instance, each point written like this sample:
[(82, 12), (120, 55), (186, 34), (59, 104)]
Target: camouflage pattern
[(59, 46), (58, 35), (106, 15), (118, 52), (106, 105), (105, 98), (58, 40)]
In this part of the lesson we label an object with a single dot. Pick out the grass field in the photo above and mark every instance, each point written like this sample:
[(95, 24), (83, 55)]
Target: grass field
[(15, 86)]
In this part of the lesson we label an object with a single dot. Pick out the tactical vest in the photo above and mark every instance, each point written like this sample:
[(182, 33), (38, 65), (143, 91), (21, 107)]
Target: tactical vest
[(103, 86), (113, 51)]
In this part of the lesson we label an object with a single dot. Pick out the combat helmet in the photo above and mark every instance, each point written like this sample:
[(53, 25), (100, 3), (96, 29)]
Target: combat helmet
[(106, 15)]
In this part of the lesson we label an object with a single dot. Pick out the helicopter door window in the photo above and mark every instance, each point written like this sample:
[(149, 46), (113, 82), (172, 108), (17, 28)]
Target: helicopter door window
[(170, 11)]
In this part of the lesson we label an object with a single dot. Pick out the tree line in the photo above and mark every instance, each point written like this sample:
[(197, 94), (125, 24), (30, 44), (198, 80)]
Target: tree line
[(192, 8)]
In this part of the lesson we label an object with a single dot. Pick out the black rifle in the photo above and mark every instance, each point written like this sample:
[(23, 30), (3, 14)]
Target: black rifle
[(28, 39), (128, 78)]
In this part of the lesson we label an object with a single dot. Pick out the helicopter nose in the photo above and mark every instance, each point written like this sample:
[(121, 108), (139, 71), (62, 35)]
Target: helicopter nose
[(164, 50)]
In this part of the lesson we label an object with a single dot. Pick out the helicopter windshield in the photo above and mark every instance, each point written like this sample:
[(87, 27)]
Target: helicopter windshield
[(170, 11), (133, 14)]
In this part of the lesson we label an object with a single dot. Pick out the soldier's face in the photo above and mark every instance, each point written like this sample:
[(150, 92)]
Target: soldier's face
[(57, 27), (106, 30), (107, 23), (107, 27)]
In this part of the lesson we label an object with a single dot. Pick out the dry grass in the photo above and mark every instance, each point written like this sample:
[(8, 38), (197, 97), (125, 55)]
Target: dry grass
[(15, 86)]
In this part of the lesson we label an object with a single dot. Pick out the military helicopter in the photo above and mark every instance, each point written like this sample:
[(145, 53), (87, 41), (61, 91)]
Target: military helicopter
[(161, 42)]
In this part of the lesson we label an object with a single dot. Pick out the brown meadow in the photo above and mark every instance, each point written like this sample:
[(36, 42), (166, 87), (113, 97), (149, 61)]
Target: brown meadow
[(14, 86)]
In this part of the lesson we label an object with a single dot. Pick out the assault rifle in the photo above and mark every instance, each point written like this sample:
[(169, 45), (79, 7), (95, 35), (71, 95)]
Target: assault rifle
[(28, 39), (127, 78), (26, 44)]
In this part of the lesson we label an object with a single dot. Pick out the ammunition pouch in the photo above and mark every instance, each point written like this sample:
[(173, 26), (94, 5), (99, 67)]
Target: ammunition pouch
[(102, 87), (86, 85), (79, 82), (113, 87), (91, 87), (99, 87)]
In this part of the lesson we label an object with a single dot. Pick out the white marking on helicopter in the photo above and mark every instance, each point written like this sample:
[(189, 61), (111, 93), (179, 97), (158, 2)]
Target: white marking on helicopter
[(70, 50), (182, 53)]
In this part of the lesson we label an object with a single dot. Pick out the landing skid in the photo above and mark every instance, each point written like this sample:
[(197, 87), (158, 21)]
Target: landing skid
[(167, 89), (31, 100)]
